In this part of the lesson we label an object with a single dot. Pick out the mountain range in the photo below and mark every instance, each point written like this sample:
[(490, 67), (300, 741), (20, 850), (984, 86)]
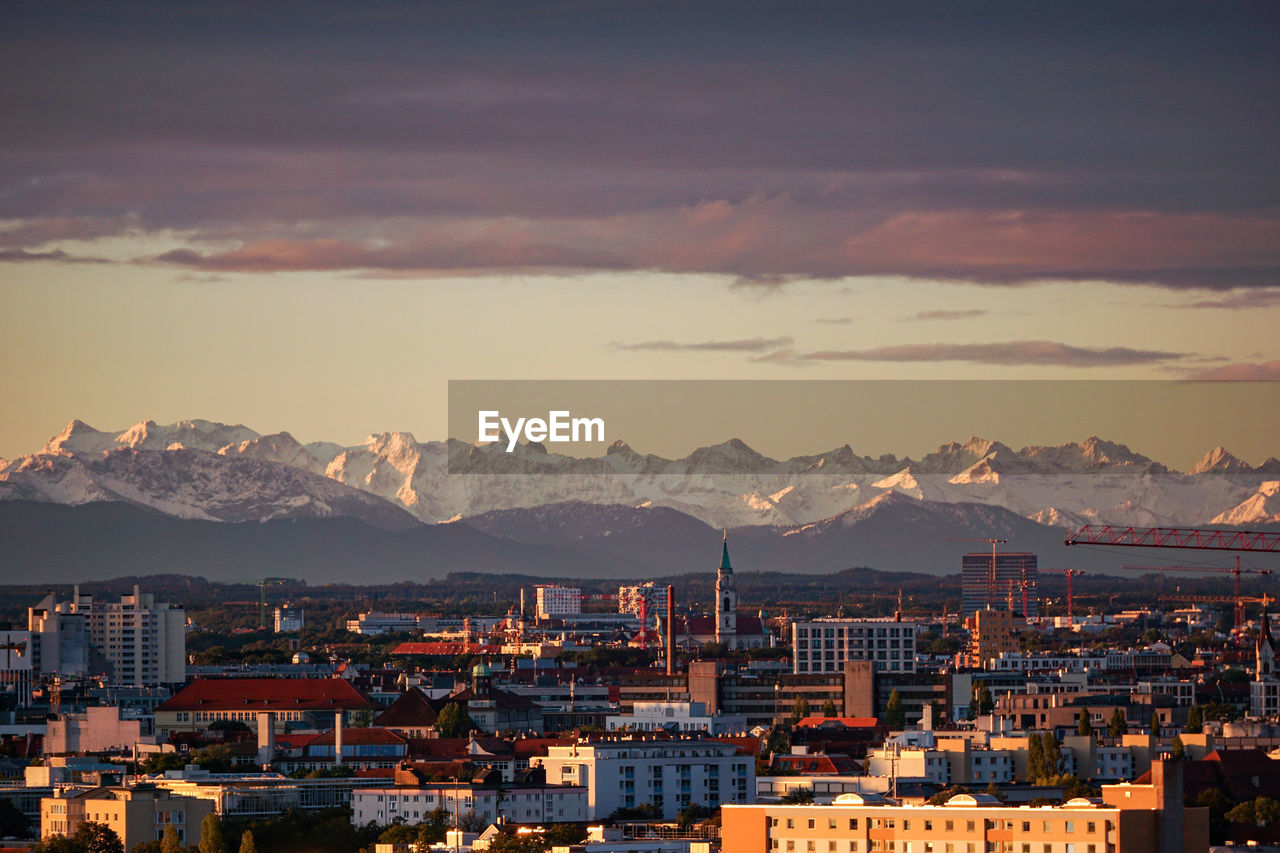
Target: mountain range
[(387, 503)]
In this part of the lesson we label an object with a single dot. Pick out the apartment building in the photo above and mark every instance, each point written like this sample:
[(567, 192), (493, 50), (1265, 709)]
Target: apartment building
[(823, 645)]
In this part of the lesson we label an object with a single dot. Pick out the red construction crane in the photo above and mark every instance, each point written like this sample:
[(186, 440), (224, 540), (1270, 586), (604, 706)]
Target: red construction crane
[(1226, 570), (1071, 574), (991, 575), (1175, 537)]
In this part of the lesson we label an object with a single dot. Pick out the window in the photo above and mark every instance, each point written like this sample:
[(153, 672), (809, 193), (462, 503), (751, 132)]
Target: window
[(812, 823), (853, 823)]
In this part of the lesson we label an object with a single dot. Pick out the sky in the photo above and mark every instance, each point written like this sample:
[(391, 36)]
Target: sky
[(312, 217)]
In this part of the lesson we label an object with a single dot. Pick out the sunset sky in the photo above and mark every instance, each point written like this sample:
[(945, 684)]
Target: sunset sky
[(312, 217)]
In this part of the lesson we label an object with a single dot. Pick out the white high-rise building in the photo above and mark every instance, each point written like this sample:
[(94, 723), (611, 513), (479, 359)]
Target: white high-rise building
[(653, 597), (555, 601), (143, 641)]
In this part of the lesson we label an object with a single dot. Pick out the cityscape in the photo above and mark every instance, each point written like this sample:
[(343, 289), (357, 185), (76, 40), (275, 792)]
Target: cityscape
[(639, 426)]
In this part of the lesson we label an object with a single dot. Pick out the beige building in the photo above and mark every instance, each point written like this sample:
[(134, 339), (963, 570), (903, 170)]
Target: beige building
[(1131, 819), (137, 814), (98, 729)]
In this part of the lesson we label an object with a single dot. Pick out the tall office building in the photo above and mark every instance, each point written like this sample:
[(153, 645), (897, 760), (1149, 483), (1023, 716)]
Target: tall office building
[(555, 601), (983, 587), (823, 645)]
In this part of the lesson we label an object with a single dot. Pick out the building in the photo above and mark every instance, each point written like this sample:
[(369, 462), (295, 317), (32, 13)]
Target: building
[(1014, 574), (137, 814), (644, 600), (681, 717), (135, 641), (1264, 690), (19, 672), (373, 623), (289, 619), (823, 645), (494, 710), (992, 633), (1130, 818), (552, 601), (726, 601), (292, 703), (526, 801), (99, 729), (668, 774)]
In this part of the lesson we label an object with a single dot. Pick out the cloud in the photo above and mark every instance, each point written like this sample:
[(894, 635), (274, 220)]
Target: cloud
[(941, 314), (1012, 353), (20, 256), (741, 345), (609, 136), (1242, 371), (832, 321), (1236, 300)]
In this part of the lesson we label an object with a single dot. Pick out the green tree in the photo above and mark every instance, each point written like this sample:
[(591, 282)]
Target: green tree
[(797, 796), (894, 714), (940, 798), (97, 838), (246, 842), (828, 708), (1155, 723), (13, 823), (1084, 726), (453, 720), (800, 710), (1035, 758), (211, 840), (169, 842), (1179, 751), (1195, 720), (1051, 748), (1118, 725)]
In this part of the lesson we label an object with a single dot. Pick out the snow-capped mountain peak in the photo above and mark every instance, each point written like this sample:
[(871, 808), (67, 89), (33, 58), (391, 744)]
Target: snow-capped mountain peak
[(1221, 461)]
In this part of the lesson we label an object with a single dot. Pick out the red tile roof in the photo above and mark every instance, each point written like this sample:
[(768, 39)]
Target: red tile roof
[(446, 649), (847, 722), (267, 694), (360, 736)]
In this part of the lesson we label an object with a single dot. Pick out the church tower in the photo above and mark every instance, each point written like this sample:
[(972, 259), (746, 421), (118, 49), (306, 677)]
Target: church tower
[(1265, 652), (726, 601)]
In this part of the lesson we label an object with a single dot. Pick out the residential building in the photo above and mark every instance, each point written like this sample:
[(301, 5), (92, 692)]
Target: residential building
[(289, 619), (137, 814), (373, 623), (552, 601), (992, 633), (526, 801), (99, 729), (823, 645), (668, 774), (681, 717), (1130, 818), (143, 641), (643, 599)]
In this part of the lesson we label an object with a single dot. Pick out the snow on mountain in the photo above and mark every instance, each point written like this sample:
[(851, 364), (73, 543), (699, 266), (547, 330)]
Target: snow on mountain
[(723, 485), (1262, 507), (281, 447), (1220, 461), (193, 484)]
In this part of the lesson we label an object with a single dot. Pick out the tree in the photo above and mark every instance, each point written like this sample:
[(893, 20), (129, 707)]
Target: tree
[(828, 708), (453, 720), (1035, 758), (982, 702), (1052, 749), (1119, 725), (800, 710), (1085, 726), (1195, 720), (1155, 723), (169, 842), (13, 823), (246, 842), (894, 714), (1179, 751), (97, 838), (211, 840), (797, 796)]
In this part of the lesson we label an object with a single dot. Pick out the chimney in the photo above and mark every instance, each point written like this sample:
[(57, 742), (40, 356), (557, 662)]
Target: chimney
[(1166, 776), (266, 739), (671, 629), (337, 738)]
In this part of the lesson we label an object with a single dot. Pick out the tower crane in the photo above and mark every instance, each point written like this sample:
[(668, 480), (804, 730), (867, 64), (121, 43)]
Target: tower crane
[(1071, 575), (991, 575), (261, 584), (1231, 570)]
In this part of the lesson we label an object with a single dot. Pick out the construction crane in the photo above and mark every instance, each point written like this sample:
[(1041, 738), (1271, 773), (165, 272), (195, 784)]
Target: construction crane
[(1175, 537), (991, 575), (1071, 574), (261, 584), (1238, 630)]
